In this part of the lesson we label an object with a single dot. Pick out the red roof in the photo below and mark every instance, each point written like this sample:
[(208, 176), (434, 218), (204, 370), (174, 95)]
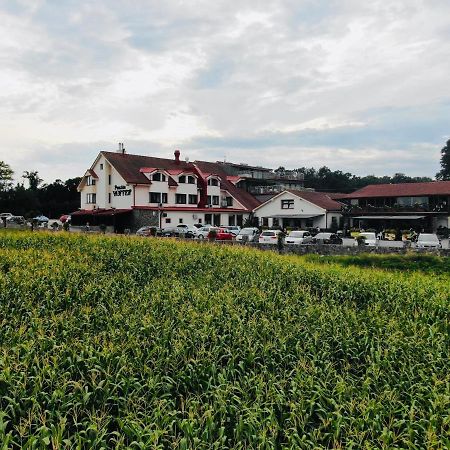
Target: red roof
[(402, 190), (129, 166), (321, 199), (242, 196), (93, 174)]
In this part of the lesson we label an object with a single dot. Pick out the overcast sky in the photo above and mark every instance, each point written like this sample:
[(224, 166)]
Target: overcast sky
[(358, 86)]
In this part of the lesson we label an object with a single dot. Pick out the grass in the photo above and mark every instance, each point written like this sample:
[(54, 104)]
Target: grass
[(115, 342)]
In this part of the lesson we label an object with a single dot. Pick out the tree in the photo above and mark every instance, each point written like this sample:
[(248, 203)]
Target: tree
[(6, 176), (33, 179), (444, 173)]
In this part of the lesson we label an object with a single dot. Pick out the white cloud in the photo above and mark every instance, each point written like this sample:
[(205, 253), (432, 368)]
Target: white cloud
[(176, 73)]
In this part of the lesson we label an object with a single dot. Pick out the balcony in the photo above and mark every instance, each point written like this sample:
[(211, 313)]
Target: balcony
[(396, 209)]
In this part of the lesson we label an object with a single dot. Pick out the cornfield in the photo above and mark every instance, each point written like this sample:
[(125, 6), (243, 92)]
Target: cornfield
[(119, 342)]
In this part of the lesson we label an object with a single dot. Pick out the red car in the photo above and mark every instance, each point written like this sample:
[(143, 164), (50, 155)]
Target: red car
[(221, 234)]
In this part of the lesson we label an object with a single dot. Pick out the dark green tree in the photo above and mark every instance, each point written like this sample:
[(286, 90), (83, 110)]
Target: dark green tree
[(6, 176), (444, 173), (33, 179)]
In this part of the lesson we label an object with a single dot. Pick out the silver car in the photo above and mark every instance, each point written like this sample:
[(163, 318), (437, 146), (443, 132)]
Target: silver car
[(248, 234), (428, 240)]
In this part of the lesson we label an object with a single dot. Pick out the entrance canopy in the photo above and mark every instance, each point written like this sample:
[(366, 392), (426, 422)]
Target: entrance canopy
[(100, 212), (390, 217)]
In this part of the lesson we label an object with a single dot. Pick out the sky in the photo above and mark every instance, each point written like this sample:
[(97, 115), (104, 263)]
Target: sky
[(362, 87)]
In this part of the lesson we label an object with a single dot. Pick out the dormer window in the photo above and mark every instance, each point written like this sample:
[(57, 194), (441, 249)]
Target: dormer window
[(186, 179), (213, 182), (158, 176), (90, 181)]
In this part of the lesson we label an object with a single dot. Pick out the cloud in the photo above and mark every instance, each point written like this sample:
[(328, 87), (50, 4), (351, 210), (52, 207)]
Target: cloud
[(358, 86)]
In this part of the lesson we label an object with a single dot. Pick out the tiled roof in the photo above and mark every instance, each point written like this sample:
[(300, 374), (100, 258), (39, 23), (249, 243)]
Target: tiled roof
[(402, 190), (129, 166), (320, 199), (242, 196)]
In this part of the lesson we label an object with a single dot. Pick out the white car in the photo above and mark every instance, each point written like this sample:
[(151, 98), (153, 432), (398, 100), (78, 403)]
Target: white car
[(370, 239), (298, 237), (234, 230), (183, 228), (250, 233), (5, 215), (202, 233), (428, 240), (269, 237)]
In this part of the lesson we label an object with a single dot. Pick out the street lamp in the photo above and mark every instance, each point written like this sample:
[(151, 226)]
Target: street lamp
[(160, 206), (113, 209)]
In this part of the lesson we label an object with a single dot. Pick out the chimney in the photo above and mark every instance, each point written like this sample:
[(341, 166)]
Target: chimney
[(177, 156)]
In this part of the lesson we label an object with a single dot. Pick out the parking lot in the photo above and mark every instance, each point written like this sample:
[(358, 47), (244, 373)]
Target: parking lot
[(349, 242)]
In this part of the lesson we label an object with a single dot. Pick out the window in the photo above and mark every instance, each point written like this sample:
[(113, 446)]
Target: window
[(265, 222), (109, 180), (213, 182), (180, 220), (101, 166), (182, 179), (229, 201), (208, 219), (275, 222), (180, 199), (168, 220), (90, 181), (287, 204), (191, 179), (215, 199), (231, 220), (158, 176), (209, 200), (192, 199), (109, 197), (158, 197), (91, 198)]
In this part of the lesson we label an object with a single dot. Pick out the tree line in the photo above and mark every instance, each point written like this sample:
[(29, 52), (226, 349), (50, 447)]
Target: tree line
[(62, 197), (51, 200)]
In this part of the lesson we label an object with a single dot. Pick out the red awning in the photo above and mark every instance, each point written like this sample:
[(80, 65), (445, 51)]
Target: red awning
[(100, 212)]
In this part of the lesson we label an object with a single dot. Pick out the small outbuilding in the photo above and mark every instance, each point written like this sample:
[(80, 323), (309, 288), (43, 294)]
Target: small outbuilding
[(300, 209)]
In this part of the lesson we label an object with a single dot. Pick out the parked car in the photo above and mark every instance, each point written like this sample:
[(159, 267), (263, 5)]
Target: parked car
[(5, 215), (370, 239), (251, 234), (222, 234), (54, 224), (148, 230), (15, 220), (233, 229), (298, 237), (190, 230), (428, 240), (269, 236), (326, 238), (202, 233)]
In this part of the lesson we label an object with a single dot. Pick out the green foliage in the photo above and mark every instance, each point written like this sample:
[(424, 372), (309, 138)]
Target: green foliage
[(324, 179), (444, 173), (406, 263), (132, 343), (6, 176)]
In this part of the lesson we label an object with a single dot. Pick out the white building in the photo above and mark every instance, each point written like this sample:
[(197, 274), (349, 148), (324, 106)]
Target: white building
[(300, 209), (128, 191)]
